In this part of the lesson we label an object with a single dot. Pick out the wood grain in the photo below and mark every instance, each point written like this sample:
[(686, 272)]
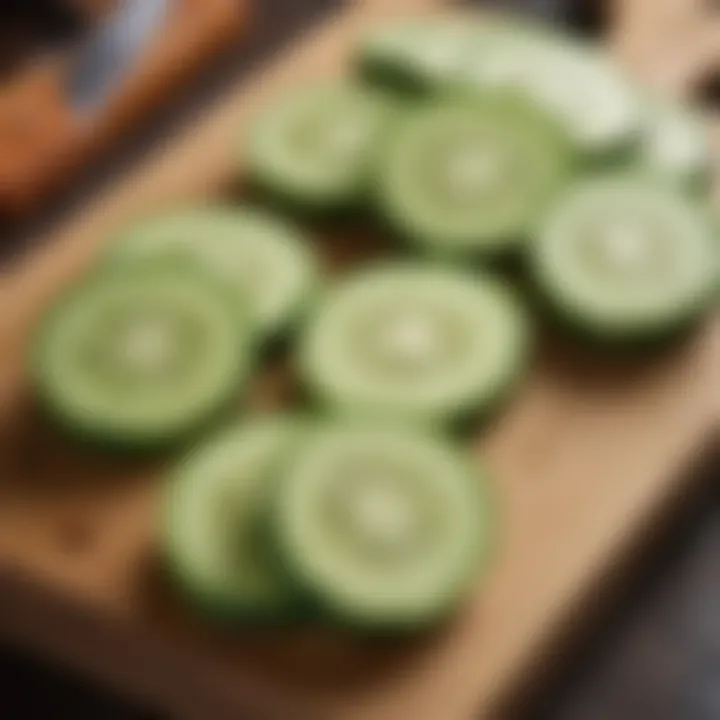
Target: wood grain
[(584, 460)]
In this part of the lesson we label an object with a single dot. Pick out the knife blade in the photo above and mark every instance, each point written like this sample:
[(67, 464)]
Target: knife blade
[(109, 52)]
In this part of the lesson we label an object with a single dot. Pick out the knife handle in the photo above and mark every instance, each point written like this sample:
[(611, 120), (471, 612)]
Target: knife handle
[(43, 142), (39, 138)]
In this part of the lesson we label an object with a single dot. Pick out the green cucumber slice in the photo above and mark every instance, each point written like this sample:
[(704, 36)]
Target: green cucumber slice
[(472, 176), (676, 145), (416, 55), (266, 258), (625, 258), (415, 343), (387, 528), (315, 147), (215, 534), (142, 358), (597, 105), (428, 54)]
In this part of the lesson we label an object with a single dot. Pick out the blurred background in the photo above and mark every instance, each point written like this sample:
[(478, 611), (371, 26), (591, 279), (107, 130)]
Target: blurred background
[(654, 655)]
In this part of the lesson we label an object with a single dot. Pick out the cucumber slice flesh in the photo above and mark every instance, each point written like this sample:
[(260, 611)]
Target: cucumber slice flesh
[(625, 257), (416, 343), (142, 357), (264, 257), (315, 147), (215, 517), (472, 176), (386, 527)]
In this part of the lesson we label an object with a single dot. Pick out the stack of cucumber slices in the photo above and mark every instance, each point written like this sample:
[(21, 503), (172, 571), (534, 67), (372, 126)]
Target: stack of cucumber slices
[(164, 336), (282, 519), (472, 142)]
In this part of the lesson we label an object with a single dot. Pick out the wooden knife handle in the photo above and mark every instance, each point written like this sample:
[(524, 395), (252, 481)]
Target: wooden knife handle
[(39, 137)]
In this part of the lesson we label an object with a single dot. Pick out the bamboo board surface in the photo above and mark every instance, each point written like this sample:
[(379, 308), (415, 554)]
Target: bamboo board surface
[(584, 460)]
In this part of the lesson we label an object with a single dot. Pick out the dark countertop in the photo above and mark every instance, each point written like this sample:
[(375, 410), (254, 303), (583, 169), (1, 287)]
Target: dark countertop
[(656, 656)]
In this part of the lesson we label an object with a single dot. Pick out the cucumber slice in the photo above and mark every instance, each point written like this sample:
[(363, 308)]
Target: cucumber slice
[(416, 55), (388, 529), (266, 258), (315, 147), (598, 107), (677, 146), (472, 176), (625, 258), (215, 534), (428, 54), (415, 343), (143, 358)]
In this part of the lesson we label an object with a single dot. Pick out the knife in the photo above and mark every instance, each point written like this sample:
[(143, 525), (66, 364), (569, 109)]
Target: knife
[(108, 54), (51, 117), (66, 106)]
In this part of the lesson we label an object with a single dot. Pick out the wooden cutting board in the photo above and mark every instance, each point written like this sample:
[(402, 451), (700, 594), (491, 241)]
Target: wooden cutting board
[(585, 461)]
